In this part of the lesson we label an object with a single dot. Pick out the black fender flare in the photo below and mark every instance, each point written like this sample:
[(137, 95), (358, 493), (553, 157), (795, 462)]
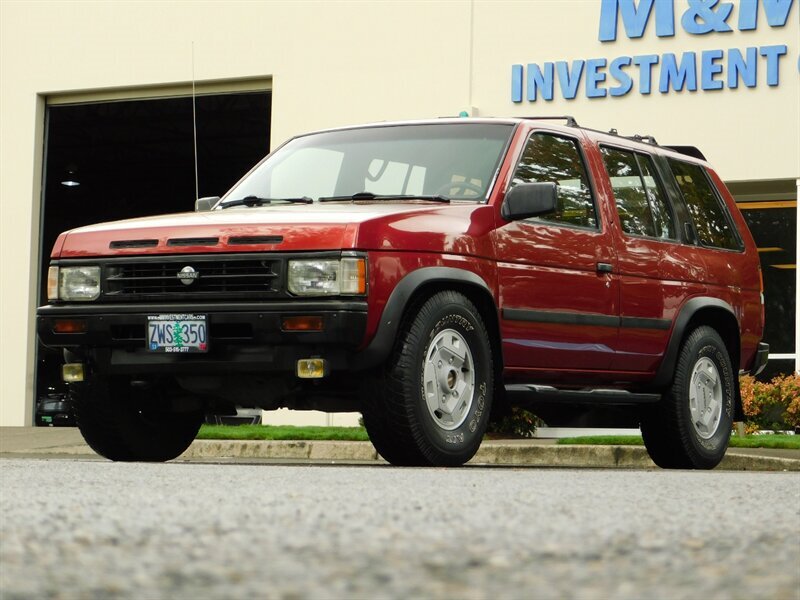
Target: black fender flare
[(382, 343), (666, 371)]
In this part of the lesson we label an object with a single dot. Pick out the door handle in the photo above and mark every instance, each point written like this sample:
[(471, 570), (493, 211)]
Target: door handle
[(604, 267)]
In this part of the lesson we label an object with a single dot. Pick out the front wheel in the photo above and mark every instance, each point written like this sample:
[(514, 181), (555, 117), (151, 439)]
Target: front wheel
[(432, 404), (124, 424), (691, 426)]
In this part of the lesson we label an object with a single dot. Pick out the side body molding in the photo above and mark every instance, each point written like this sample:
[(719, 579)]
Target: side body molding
[(381, 345)]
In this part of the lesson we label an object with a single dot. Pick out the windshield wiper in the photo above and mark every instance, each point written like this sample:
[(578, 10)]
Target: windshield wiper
[(371, 196), (257, 201)]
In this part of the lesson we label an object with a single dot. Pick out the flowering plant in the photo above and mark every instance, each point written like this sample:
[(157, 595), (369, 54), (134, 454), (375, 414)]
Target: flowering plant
[(771, 405)]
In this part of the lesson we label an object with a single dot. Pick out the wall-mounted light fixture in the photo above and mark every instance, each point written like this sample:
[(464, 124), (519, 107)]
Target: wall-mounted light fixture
[(70, 180)]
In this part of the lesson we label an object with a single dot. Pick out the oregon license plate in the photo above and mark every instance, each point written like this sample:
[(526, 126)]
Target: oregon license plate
[(177, 333)]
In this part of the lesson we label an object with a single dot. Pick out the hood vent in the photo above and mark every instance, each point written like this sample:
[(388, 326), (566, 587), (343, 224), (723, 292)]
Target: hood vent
[(197, 241), (133, 244), (255, 239)]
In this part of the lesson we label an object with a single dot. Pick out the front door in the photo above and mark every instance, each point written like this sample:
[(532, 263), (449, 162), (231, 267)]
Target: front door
[(559, 292)]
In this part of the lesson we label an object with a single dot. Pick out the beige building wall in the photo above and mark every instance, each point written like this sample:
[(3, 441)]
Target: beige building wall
[(334, 63)]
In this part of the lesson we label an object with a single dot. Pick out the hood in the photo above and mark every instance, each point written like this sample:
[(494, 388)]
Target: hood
[(319, 226)]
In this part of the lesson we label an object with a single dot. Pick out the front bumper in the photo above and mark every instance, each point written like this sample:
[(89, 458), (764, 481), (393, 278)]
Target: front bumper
[(760, 360), (242, 336)]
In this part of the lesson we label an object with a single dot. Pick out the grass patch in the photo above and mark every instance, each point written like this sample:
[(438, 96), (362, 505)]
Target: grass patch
[(281, 432), (359, 434), (776, 440), (790, 442), (603, 440)]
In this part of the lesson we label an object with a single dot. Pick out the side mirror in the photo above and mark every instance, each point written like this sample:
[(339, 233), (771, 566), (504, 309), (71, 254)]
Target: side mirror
[(205, 204), (526, 200)]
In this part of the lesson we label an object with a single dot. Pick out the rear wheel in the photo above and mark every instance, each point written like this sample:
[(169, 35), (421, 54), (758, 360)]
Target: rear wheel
[(432, 403), (124, 424), (691, 426)]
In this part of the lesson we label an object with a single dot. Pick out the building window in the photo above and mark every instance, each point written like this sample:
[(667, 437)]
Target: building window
[(774, 229)]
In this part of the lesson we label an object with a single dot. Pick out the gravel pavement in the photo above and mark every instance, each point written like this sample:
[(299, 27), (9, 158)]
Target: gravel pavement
[(91, 529)]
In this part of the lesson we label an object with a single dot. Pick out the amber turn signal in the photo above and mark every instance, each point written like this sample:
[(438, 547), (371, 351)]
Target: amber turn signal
[(306, 323), (69, 326)]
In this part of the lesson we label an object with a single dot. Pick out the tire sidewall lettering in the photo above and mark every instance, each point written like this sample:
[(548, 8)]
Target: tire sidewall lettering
[(712, 444), (470, 432)]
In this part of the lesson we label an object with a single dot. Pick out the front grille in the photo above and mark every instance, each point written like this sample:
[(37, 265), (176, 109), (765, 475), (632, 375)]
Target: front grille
[(182, 278)]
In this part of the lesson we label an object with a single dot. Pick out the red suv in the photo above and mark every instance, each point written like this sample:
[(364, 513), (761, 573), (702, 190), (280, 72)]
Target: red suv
[(429, 274)]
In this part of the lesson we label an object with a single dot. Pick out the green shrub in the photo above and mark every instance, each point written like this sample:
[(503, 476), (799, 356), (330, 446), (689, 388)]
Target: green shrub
[(771, 405), (518, 423)]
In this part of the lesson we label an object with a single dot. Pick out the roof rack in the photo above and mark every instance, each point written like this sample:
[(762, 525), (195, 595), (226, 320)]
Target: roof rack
[(645, 139), (571, 122)]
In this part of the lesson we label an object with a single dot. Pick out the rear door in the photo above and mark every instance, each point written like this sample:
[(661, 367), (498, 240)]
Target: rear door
[(558, 291), (656, 272)]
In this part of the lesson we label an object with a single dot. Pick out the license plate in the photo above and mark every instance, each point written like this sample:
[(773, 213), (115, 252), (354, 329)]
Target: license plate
[(177, 333)]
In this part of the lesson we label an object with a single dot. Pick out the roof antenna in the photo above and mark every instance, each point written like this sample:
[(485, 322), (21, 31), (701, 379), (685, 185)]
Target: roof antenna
[(194, 129)]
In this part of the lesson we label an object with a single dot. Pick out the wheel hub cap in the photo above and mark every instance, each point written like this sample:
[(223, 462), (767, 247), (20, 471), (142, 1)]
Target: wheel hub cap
[(705, 398), (448, 379)]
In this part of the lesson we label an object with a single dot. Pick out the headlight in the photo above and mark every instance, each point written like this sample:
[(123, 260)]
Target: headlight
[(78, 283), (324, 277)]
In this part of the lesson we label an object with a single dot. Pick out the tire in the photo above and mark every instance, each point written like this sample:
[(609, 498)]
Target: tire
[(691, 426), (390, 446), (122, 425), (432, 402)]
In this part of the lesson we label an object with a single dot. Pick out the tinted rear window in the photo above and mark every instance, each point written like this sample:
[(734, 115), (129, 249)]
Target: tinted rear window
[(641, 206), (710, 218)]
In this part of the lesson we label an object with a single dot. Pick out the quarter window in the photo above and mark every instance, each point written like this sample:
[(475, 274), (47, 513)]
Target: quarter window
[(549, 158), (710, 218), (640, 203)]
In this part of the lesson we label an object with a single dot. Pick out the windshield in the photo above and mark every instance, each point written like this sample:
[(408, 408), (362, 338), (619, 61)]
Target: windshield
[(456, 161)]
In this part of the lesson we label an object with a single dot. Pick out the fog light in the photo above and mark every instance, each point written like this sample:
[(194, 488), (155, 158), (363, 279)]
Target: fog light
[(72, 372), (311, 368)]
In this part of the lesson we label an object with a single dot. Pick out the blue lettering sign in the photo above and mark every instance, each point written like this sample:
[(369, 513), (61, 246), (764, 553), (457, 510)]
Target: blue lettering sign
[(742, 68), (569, 78), (773, 54), (777, 13), (540, 81), (625, 81), (516, 83), (678, 76), (645, 64), (717, 68), (634, 18), (709, 67), (701, 17), (594, 77)]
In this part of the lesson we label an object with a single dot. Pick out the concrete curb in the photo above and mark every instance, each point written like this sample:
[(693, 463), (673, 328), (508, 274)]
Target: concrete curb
[(490, 453), (280, 449), (600, 457)]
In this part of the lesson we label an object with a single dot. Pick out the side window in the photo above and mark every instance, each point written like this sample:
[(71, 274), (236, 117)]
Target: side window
[(549, 158), (640, 202), (710, 218), (662, 212)]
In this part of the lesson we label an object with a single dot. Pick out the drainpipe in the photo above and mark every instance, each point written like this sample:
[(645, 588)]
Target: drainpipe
[(797, 287)]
